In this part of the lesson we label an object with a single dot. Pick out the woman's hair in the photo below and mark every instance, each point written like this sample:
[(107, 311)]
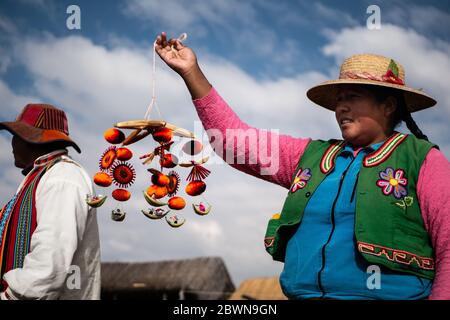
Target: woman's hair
[(401, 113)]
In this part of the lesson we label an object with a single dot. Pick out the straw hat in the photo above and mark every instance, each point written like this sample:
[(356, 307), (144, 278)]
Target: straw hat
[(370, 69), (39, 124)]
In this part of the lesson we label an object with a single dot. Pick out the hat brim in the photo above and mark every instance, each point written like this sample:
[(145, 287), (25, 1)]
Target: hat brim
[(324, 94), (38, 136)]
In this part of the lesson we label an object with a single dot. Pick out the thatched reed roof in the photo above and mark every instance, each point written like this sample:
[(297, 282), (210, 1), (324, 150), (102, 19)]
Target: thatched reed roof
[(198, 278), (259, 289)]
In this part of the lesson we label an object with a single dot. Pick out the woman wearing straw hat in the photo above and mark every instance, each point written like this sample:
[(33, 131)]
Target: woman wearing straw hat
[(376, 200)]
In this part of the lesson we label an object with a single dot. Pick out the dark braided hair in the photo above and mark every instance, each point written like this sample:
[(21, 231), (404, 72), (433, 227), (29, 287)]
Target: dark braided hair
[(401, 113)]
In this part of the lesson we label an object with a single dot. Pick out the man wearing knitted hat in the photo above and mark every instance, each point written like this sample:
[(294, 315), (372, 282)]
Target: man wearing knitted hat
[(49, 241)]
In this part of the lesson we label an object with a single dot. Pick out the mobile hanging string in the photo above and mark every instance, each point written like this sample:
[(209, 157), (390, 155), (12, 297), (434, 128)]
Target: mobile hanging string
[(182, 37)]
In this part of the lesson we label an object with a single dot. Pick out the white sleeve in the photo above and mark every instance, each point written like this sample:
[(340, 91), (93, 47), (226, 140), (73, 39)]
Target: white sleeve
[(61, 220)]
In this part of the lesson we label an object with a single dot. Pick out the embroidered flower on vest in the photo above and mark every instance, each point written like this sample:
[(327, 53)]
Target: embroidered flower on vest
[(392, 181), (301, 179)]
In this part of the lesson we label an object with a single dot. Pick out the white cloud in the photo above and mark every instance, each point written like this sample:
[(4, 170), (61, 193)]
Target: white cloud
[(12, 102), (210, 231)]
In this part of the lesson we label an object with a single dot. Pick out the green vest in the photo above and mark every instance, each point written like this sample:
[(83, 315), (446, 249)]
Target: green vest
[(389, 228)]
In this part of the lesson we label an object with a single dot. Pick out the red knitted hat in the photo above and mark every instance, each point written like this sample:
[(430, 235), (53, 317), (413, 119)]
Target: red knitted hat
[(41, 123)]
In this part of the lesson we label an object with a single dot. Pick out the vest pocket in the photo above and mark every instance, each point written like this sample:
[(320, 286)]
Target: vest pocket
[(413, 239), (409, 231)]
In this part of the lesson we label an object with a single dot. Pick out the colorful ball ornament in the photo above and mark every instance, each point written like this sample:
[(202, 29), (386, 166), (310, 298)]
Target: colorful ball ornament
[(168, 161), (102, 179), (176, 203), (121, 195), (124, 154), (162, 135), (114, 136), (157, 192), (195, 188), (159, 178)]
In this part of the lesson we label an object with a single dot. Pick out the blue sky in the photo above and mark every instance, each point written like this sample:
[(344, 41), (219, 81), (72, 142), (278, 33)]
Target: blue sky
[(261, 56)]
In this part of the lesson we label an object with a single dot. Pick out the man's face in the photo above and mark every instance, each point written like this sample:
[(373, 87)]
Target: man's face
[(21, 150)]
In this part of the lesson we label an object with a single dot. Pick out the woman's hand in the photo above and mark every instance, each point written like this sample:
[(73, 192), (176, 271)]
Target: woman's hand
[(183, 61), (178, 57)]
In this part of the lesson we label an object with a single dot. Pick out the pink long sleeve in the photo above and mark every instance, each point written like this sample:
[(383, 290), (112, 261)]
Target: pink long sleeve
[(273, 157), (434, 198)]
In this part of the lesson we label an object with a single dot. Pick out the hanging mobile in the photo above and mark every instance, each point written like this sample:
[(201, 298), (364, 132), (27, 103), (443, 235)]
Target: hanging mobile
[(116, 169)]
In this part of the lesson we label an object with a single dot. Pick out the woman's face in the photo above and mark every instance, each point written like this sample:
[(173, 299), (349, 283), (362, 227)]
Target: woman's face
[(363, 121)]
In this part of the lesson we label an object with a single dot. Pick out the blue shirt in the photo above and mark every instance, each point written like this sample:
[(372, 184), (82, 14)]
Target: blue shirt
[(321, 257)]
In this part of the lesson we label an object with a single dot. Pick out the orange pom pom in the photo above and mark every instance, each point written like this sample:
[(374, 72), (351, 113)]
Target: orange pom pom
[(195, 188), (121, 194), (124, 154), (168, 161), (162, 135), (160, 179), (156, 191), (177, 203), (114, 136), (102, 179)]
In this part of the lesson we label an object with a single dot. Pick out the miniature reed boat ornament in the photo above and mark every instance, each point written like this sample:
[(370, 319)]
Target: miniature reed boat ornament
[(201, 208), (151, 200), (155, 213), (95, 201), (175, 221)]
